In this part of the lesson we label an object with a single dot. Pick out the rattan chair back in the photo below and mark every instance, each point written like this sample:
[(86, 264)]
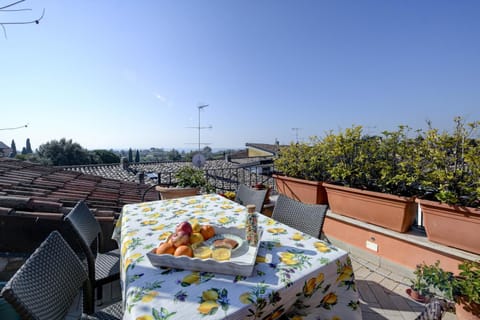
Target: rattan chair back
[(87, 231), (102, 267), (48, 282), (308, 218), (246, 196)]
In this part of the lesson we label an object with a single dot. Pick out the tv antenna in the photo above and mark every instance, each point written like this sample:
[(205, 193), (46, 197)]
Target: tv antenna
[(200, 128), (296, 132), (15, 128)]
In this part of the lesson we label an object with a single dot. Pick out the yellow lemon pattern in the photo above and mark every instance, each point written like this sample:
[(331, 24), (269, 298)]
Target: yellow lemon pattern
[(149, 296), (321, 247), (297, 236), (285, 257), (212, 299)]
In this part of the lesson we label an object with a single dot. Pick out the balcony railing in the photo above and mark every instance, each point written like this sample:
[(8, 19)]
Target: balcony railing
[(227, 179)]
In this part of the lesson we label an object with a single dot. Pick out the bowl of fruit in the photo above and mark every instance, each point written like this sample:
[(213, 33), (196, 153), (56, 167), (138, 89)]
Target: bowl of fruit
[(205, 247)]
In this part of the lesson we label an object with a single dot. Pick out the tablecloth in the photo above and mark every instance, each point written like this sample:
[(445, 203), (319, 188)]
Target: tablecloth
[(294, 274)]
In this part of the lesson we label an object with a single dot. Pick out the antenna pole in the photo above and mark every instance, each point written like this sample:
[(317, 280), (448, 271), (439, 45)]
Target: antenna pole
[(15, 128), (199, 126), (296, 133)]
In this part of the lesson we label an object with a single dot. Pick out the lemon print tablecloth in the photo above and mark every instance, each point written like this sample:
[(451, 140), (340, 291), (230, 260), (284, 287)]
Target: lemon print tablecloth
[(294, 274)]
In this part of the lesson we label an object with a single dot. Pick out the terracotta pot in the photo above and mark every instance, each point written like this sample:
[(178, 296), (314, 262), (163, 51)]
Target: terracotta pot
[(389, 211), (305, 191), (453, 226), (172, 193), (466, 310), (416, 296)]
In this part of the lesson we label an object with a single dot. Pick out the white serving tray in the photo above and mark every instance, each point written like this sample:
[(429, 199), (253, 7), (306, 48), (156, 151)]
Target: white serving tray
[(241, 262)]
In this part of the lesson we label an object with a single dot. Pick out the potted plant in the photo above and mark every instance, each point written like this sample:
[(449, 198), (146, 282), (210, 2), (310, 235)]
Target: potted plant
[(300, 172), (373, 178), (419, 289), (189, 181), (463, 289), (451, 179)]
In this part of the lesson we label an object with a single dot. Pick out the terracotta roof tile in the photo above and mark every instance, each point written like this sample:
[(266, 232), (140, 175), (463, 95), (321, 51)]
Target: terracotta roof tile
[(44, 193)]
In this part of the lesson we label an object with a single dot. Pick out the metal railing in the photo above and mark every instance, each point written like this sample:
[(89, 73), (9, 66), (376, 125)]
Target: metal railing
[(228, 179)]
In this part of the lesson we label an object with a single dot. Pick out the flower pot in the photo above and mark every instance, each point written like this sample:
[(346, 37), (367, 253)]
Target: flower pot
[(466, 310), (302, 190), (173, 193), (389, 211), (453, 226), (415, 295)]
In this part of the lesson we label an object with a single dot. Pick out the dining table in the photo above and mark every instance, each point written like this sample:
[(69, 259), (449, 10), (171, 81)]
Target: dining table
[(294, 274)]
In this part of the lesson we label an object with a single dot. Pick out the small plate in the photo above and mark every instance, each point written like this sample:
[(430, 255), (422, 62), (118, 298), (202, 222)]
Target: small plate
[(221, 236)]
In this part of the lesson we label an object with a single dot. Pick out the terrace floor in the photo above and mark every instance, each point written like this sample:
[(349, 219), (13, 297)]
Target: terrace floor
[(382, 293)]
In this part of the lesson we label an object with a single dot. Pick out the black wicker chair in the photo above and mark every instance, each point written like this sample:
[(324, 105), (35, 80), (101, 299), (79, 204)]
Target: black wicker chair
[(307, 218), (102, 267), (246, 195), (49, 283)]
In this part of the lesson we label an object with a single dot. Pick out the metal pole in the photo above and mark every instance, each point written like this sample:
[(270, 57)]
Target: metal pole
[(199, 126)]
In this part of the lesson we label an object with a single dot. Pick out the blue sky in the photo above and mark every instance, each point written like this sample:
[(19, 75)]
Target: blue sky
[(120, 74)]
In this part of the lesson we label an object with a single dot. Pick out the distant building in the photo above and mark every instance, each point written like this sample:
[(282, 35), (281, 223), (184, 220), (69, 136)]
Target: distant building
[(4, 150), (262, 149)]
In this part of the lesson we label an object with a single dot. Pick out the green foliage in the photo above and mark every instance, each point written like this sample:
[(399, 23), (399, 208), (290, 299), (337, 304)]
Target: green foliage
[(28, 157), (13, 153), (104, 156), (62, 153), (28, 146), (351, 158), (130, 155), (398, 163), (191, 177), (468, 281), (419, 283), (302, 160), (174, 155), (446, 284), (437, 166), (452, 169), (437, 280)]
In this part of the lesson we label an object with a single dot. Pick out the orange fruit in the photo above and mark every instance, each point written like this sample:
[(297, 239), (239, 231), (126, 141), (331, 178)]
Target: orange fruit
[(165, 248), (183, 250), (207, 231)]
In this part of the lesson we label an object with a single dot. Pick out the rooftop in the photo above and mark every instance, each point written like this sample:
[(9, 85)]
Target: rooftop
[(32, 192)]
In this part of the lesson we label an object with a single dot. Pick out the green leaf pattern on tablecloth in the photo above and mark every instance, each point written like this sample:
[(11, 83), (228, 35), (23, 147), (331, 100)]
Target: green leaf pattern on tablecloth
[(285, 257), (290, 262), (144, 294)]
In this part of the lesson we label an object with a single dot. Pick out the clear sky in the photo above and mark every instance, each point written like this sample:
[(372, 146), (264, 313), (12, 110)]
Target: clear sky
[(120, 74)]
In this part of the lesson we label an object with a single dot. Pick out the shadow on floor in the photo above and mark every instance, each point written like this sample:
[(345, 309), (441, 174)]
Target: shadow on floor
[(378, 302)]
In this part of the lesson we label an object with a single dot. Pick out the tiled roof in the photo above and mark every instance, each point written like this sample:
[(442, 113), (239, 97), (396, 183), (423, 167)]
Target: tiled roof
[(34, 199), (25, 186), (116, 171)]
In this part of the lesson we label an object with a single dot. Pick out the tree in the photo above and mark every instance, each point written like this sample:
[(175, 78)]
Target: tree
[(8, 8), (137, 156), (63, 152), (104, 156), (174, 155), (13, 153), (130, 155), (28, 146), (24, 150)]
